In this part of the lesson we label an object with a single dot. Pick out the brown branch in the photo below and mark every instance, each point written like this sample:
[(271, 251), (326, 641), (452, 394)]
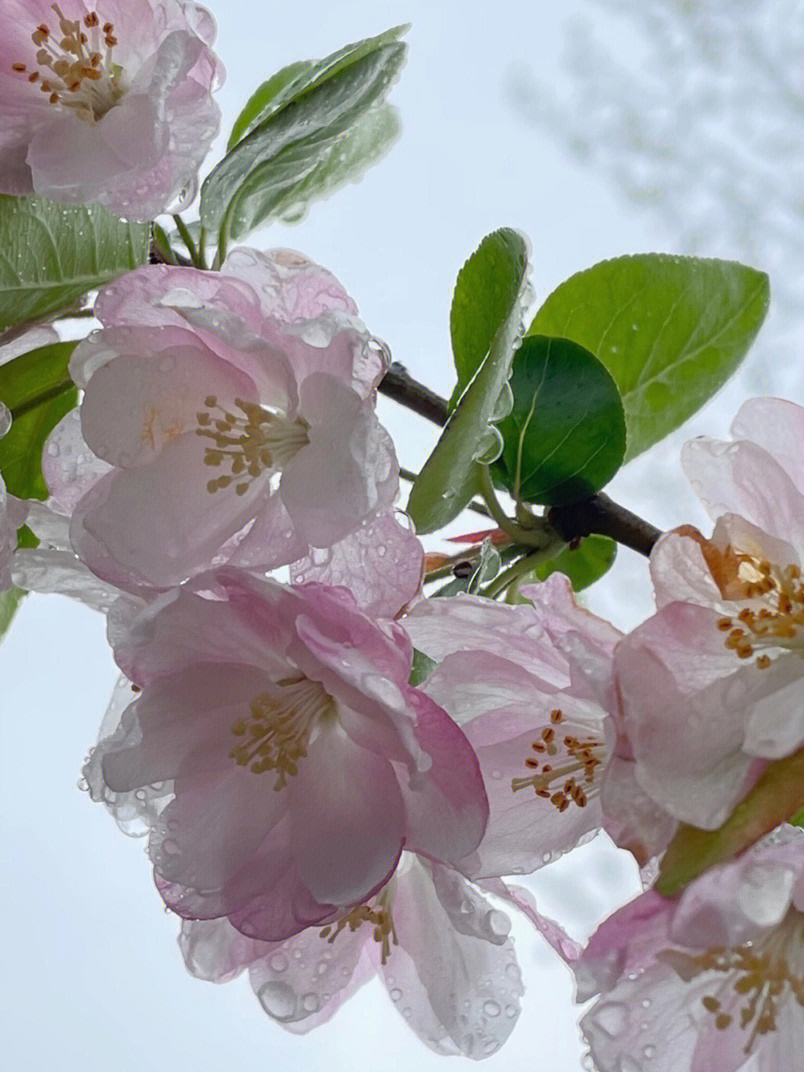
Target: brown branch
[(399, 385), (599, 514)]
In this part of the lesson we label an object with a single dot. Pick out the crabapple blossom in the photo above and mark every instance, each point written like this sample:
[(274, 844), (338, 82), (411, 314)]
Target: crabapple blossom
[(711, 980), (531, 687), (711, 685), (292, 758), (235, 411), (111, 105), (440, 948)]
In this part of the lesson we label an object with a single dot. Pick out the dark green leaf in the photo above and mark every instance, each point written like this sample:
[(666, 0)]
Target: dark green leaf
[(565, 436), (448, 479), (32, 376), (21, 448), (670, 330), (583, 566), (53, 254), (9, 604), (294, 126), (485, 291)]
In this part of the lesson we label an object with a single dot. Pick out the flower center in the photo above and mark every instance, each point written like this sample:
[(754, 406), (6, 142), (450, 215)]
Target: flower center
[(76, 70), (378, 914), (776, 618), (248, 443), (564, 765), (277, 732), (761, 974)]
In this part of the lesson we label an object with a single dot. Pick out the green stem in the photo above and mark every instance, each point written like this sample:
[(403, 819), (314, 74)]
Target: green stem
[(540, 536), (187, 238), (519, 569), (202, 247)]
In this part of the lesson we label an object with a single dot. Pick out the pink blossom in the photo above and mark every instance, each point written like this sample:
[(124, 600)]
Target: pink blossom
[(110, 105), (711, 981), (711, 684), (531, 687), (292, 758), (12, 515), (235, 411), (440, 948)]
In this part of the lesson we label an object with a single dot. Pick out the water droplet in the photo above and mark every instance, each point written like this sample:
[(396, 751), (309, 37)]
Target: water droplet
[(278, 1000), (649, 1051), (278, 962), (311, 1003), (490, 1046), (511, 1011), (646, 1003), (396, 994), (170, 846), (5, 419), (499, 924), (611, 1017), (504, 403), (491, 1008), (489, 446)]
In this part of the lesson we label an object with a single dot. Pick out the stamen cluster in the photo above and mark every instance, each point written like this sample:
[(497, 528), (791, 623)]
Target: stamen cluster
[(778, 624), (250, 444), (378, 915), (760, 976), (278, 731), (578, 755), (77, 70)]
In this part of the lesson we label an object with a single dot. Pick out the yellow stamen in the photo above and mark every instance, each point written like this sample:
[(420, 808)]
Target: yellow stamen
[(277, 733), (570, 781), (75, 66), (379, 916), (250, 443)]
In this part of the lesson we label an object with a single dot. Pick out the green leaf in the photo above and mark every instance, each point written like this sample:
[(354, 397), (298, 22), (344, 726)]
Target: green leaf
[(291, 126), (777, 795), (798, 819), (347, 161), (486, 289), (38, 391), (583, 566), (9, 605), (31, 376), (53, 254), (270, 97), (565, 436), (421, 669), (670, 330), (21, 448), (448, 478)]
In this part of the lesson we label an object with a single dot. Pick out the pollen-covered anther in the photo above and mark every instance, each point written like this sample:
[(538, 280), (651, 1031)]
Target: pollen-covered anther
[(78, 68), (277, 732), (250, 442), (569, 779), (776, 619), (762, 975), (377, 914)]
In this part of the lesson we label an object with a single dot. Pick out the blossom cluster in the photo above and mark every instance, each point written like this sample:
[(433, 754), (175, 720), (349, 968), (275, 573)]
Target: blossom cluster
[(316, 810)]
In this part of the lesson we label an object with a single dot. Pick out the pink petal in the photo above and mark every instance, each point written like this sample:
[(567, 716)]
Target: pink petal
[(438, 627), (135, 405), (447, 807), (68, 466), (778, 427), (455, 976), (304, 980), (347, 819), (213, 950), (290, 286), (123, 538), (382, 563)]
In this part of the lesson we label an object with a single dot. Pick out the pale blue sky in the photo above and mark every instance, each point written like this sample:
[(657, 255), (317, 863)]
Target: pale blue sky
[(93, 979)]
